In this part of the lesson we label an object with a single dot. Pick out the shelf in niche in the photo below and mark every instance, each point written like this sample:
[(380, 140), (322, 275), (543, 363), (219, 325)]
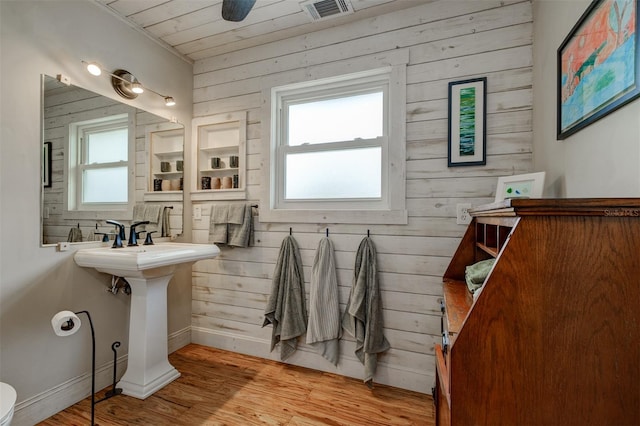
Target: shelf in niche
[(217, 149), (218, 194), (163, 196), (169, 154), (167, 173), (222, 169)]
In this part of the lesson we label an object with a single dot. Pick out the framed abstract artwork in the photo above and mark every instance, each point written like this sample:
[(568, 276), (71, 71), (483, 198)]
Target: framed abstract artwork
[(598, 65), (467, 122)]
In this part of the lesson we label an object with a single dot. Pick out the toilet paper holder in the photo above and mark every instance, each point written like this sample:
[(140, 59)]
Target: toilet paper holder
[(64, 324)]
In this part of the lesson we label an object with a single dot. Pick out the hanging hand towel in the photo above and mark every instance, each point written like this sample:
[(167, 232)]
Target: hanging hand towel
[(138, 212), (323, 330), (166, 222), (218, 224), (240, 226), (75, 235), (286, 309), (363, 316), (153, 213)]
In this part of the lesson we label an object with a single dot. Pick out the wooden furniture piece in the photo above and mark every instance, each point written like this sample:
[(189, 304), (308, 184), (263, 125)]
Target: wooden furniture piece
[(553, 336)]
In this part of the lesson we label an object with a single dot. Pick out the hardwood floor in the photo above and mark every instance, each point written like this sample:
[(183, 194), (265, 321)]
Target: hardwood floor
[(225, 388)]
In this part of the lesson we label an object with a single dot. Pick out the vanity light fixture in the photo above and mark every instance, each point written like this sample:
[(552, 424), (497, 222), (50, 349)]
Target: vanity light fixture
[(125, 84), (136, 87), (94, 68)]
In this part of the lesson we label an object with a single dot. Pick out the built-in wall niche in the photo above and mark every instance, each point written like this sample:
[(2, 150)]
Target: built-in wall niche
[(166, 162), (220, 172)]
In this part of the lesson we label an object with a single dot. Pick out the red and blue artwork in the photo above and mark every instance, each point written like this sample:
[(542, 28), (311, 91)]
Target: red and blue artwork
[(598, 63)]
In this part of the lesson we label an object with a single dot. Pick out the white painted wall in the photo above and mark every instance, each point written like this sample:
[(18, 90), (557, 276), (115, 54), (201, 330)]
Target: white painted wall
[(601, 160), (447, 41), (52, 37)]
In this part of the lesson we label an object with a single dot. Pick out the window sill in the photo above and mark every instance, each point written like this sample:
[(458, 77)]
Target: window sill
[(98, 215), (365, 217)]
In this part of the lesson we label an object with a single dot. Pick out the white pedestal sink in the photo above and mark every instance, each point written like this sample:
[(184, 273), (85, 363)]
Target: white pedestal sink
[(148, 269)]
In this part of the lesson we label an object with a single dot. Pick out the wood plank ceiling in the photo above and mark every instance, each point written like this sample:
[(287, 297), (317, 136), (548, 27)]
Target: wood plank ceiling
[(194, 29)]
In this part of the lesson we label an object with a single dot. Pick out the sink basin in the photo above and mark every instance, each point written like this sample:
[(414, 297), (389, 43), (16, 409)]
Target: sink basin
[(148, 270), (144, 261)]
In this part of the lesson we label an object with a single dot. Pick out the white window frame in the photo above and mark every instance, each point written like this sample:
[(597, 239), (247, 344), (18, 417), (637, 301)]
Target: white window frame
[(390, 208), (322, 92), (74, 167)]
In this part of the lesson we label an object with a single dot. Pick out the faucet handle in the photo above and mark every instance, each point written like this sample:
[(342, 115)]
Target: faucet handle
[(105, 236), (117, 242), (133, 235), (120, 229), (148, 241)]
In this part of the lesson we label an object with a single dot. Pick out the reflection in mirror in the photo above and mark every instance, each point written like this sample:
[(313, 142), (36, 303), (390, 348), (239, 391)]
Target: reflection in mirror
[(107, 160)]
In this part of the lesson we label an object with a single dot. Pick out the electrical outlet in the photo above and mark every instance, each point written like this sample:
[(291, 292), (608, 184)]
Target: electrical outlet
[(197, 212), (462, 214)]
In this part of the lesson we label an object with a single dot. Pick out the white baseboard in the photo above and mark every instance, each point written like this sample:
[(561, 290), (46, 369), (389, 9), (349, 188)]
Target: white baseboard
[(179, 339), (54, 400), (349, 365), (47, 403)]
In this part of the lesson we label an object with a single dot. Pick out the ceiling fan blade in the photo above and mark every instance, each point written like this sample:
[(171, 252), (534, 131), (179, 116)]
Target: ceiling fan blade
[(236, 10)]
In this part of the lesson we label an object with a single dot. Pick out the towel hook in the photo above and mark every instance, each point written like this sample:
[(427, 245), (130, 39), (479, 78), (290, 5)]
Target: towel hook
[(327, 232), (290, 230)]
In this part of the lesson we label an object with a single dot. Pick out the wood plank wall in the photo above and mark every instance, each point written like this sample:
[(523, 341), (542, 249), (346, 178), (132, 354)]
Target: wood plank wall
[(448, 41)]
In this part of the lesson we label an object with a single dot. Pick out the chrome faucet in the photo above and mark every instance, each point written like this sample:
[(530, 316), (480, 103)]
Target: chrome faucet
[(120, 235), (133, 235)]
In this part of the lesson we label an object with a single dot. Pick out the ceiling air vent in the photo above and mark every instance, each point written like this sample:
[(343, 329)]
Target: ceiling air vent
[(325, 9)]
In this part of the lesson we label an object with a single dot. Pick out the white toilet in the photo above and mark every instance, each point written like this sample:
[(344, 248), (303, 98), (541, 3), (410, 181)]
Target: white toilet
[(7, 402)]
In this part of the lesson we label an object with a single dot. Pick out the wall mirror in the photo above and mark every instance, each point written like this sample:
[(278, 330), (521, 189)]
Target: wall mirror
[(101, 160)]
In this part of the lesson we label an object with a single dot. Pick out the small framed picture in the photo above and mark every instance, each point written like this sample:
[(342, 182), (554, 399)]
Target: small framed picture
[(467, 122), (46, 165), (528, 185)]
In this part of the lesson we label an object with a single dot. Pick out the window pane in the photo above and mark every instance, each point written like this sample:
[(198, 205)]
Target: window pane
[(107, 146), (107, 185), (336, 120), (351, 173)]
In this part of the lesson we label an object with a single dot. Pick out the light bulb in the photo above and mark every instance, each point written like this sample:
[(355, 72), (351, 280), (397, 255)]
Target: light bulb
[(136, 87), (94, 68), (168, 101)]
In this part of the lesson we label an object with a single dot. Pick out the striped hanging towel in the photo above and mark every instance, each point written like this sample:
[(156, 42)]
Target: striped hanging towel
[(323, 330)]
